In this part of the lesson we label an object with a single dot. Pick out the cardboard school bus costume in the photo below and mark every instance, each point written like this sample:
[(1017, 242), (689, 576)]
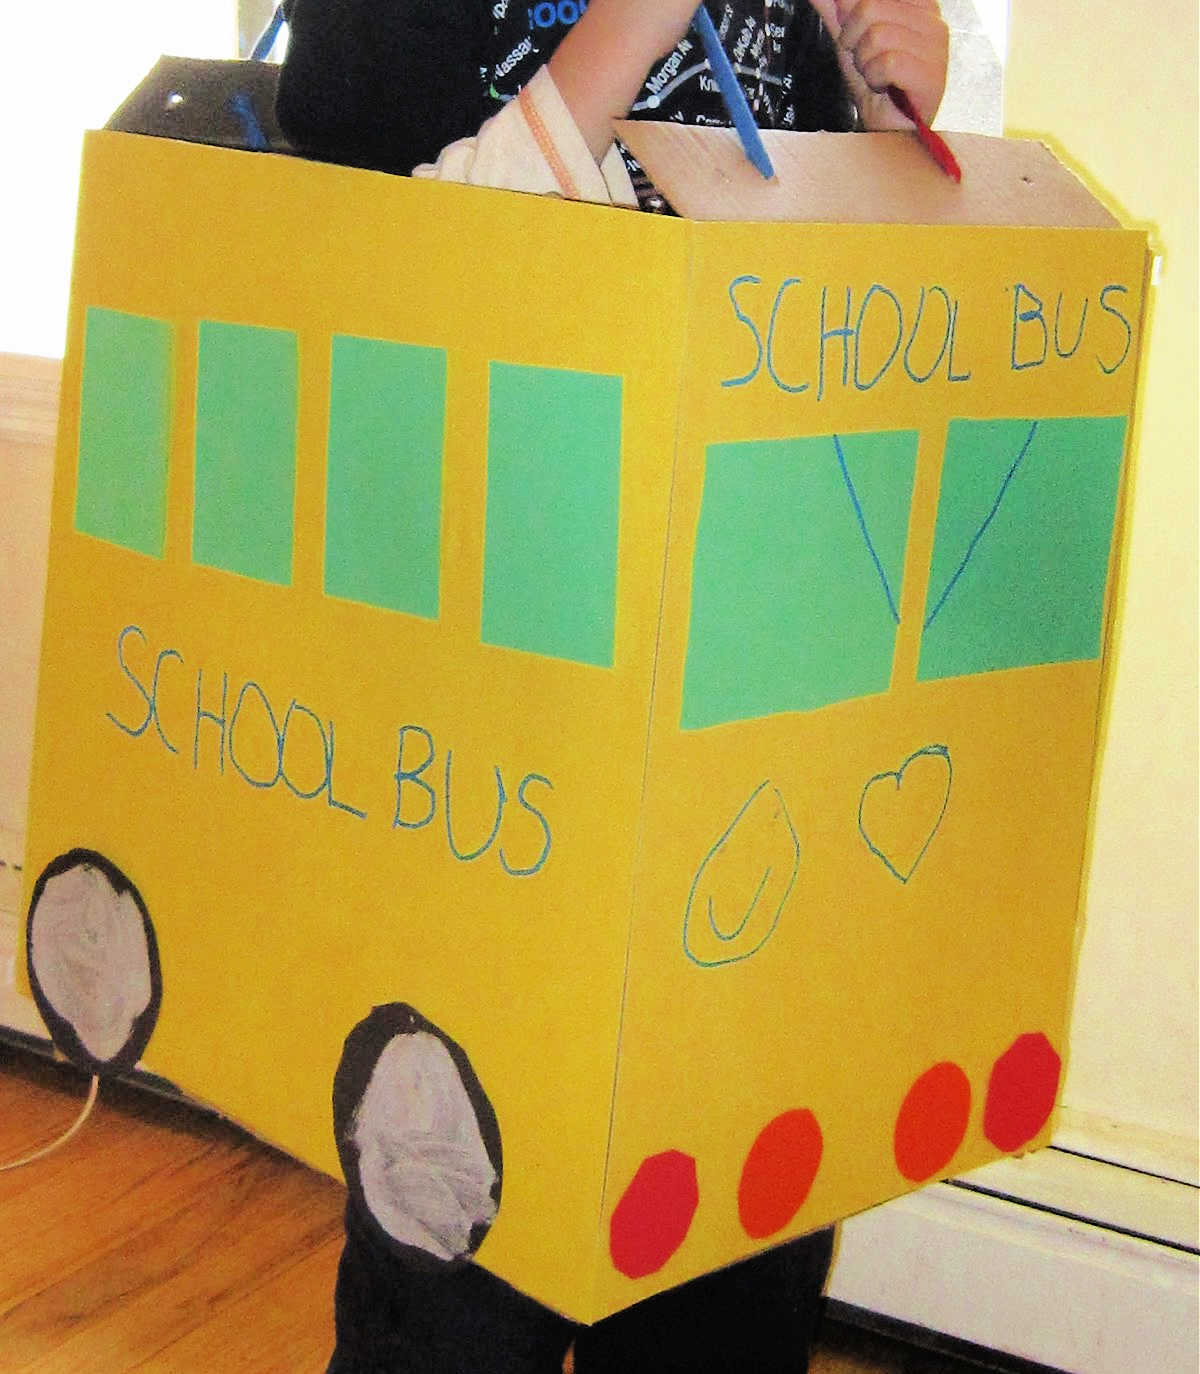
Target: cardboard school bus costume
[(656, 663)]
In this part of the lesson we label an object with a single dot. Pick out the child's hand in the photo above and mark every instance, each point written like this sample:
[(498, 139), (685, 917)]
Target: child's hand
[(884, 43)]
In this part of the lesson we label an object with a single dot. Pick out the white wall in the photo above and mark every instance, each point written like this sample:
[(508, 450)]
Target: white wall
[(1109, 1287), (1113, 88), (64, 68)]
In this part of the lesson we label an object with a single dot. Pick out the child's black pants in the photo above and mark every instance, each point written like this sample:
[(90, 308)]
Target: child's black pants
[(756, 1317)]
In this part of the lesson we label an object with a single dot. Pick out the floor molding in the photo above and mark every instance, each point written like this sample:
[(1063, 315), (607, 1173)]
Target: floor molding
[(1009, 1275)]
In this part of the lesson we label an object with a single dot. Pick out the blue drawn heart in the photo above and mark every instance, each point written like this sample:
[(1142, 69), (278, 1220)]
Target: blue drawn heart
[(892, 861)]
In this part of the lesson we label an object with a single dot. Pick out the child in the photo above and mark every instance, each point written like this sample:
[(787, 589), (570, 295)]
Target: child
[(523, 95), (505, 93)]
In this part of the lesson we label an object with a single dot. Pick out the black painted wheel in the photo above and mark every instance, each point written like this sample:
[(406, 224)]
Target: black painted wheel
[(93, 962), (417, 1138)]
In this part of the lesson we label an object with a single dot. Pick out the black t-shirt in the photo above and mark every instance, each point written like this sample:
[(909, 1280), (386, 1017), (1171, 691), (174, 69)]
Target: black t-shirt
[(388, 83)]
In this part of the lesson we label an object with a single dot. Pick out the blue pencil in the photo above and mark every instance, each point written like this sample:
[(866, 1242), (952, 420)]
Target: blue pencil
[(732, 94)]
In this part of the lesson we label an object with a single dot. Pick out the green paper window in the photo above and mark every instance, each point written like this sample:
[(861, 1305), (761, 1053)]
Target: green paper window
[(1021, 551), (553, 506), (796, 574), (246, 450), (387, 420), (124, 430)]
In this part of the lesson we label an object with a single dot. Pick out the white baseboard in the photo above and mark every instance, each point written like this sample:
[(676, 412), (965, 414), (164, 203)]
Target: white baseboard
[(1129, 1144), (1005, 1274), (16, 1010)]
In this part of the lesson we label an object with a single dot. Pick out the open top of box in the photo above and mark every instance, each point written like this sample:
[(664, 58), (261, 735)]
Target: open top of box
[(884, 178)]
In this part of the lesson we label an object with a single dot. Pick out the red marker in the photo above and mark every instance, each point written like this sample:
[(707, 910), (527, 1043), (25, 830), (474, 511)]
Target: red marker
[(936, 146)]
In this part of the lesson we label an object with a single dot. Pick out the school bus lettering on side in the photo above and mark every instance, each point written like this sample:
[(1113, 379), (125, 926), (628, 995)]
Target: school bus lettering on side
[(424, 810), (265, 747)]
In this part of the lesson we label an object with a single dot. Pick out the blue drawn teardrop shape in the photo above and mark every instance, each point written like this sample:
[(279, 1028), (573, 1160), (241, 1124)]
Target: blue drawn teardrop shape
[(743, 884)]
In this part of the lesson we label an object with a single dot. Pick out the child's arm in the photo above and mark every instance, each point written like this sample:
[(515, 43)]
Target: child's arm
[(884, 43), (600, 66)]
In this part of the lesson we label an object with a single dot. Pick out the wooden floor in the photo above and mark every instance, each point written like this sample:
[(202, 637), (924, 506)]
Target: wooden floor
[(162, 1240), (157, 1240)]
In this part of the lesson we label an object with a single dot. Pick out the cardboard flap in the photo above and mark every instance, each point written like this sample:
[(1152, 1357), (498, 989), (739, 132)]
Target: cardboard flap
[(861, 178)]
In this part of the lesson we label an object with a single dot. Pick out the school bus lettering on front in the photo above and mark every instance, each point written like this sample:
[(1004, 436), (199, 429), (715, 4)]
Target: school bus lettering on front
[(870, 339), (838, 339)]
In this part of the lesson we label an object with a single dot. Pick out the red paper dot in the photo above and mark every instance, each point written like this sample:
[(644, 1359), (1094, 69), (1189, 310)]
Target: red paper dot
[(779, 1173), (932, 1122), (1021, 1092), (653, 1216)]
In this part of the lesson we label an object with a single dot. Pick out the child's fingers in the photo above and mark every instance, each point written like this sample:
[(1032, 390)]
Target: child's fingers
[(922, 19), (887, 56), (884, 43), (880, 31), (923, 85)]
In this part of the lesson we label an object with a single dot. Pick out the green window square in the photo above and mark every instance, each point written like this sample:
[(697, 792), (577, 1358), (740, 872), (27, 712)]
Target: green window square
[(246, 450), (553, 508), (1022, 543), (124, 430), (383, 515), (796, 574)]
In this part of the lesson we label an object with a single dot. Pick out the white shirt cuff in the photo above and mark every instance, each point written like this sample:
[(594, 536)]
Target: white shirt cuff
[(533, 144)]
